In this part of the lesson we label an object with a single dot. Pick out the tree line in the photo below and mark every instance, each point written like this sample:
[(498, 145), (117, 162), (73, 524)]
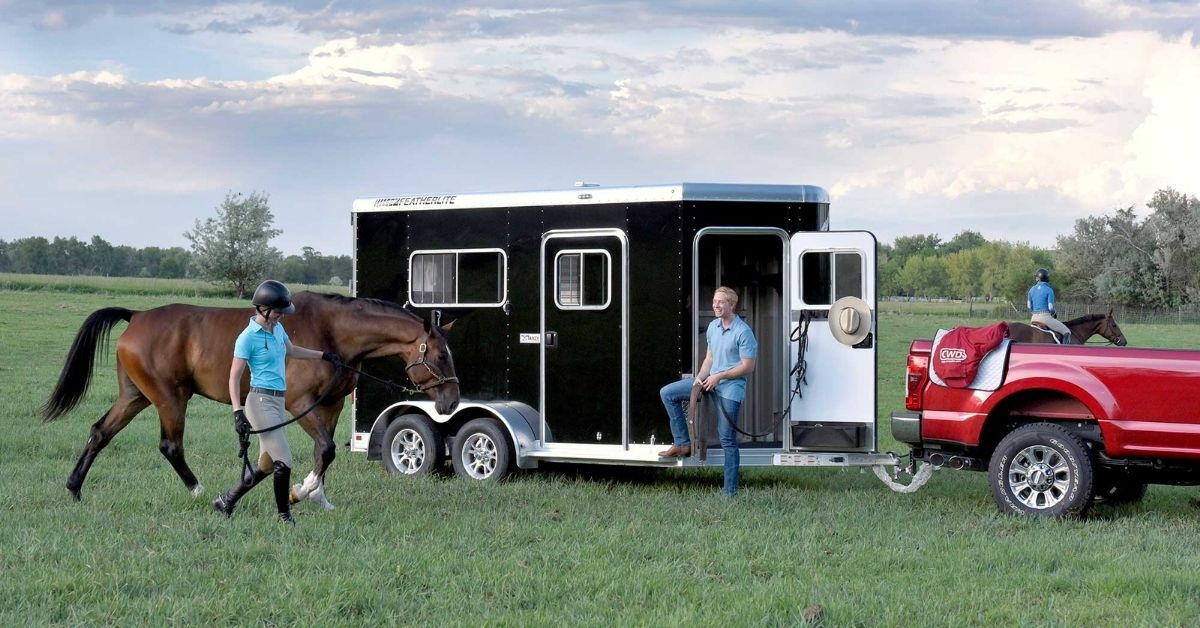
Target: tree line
[(1115, 258), (72, 256)]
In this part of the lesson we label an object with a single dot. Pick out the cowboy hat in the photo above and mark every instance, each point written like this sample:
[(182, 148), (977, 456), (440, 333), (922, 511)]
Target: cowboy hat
[(850, 320)]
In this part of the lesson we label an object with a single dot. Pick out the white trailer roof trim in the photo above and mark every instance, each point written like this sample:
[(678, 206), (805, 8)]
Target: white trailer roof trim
[(595, 195)]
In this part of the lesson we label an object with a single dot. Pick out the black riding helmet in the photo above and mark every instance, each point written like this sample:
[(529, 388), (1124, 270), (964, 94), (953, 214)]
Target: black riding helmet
[(274, 295), (1042, 275)]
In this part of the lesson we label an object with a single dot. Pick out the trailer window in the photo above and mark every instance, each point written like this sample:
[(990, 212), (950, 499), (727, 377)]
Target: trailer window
[(827, 276), (582, 279), (469, 277)]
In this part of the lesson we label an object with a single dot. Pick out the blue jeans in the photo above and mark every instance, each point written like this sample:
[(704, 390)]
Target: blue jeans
[(674, 395)]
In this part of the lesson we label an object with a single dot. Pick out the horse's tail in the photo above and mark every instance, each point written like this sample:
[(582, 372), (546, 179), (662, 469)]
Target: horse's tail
[(77, 372)]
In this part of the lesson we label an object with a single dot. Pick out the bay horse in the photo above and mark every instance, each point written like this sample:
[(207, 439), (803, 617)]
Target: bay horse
[(1081, 328), (170, 353)]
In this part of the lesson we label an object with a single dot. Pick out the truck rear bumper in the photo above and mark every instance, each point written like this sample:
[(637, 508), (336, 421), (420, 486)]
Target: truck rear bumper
[(906, 427)]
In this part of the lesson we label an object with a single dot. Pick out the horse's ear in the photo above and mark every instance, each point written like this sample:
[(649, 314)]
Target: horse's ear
[(427, 324), (447, 326), (1110, 312)]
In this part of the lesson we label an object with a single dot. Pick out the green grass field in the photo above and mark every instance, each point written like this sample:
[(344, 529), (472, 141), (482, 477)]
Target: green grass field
[(549, 547)]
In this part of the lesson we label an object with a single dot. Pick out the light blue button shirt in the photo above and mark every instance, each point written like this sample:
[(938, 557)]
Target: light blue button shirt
[(729, 347), (265, 353)]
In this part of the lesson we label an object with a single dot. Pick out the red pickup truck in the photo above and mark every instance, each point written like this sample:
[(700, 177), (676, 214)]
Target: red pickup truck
[(1063, 426)]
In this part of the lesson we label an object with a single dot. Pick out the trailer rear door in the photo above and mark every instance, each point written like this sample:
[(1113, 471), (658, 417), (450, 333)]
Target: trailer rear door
[(835, 409)]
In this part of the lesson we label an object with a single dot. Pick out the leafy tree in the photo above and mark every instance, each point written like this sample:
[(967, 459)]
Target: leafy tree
[(234, 249), (32, 255), (964, 241)]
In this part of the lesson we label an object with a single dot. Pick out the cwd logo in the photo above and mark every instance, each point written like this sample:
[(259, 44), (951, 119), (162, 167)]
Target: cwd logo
[(952, 355)]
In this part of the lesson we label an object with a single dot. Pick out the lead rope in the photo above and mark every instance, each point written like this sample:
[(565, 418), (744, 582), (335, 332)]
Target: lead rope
[(244, 439), (799, 336)]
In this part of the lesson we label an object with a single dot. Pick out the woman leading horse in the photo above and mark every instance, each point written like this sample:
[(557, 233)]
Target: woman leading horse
[(170, 353)]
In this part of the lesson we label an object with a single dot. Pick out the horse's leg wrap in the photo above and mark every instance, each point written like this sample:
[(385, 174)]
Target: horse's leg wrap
[(283, 486)]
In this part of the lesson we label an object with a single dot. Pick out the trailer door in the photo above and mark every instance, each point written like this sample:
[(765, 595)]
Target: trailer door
[(833, 287), (585, 352)]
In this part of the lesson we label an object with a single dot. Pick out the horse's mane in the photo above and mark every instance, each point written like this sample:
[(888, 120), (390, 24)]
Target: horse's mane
[(378, 304), (1086, 318)]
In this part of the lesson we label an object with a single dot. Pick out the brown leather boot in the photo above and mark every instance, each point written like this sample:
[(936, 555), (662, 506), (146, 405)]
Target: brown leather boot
[(676, 451)]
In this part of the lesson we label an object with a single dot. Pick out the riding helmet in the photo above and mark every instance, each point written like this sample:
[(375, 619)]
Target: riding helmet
[(274, 295), (1042, 275)]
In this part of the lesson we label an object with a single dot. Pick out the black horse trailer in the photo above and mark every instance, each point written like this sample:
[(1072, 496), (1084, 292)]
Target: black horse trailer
[(572, 308)]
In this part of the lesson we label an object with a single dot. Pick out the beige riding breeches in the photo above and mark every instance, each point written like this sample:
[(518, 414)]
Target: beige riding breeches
[(265, 411), (1051, 322)]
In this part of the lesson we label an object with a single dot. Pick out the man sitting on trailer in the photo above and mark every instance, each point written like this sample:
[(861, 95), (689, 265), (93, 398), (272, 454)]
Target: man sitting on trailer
[(729, 361)]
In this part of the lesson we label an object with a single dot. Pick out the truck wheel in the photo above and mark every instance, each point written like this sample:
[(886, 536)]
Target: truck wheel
[(482, 452), (1116, 489), (412, 446), (1042, 470)]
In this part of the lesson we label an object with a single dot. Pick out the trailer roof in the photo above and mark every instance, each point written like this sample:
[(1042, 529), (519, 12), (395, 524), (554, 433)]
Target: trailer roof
[(594, 195)]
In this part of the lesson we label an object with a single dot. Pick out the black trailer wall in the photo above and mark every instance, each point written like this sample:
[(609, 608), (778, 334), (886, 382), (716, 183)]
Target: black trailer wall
[(490, 361)]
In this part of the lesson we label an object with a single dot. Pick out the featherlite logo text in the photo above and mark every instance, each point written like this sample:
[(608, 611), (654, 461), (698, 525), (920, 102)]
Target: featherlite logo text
[(402, 201), (952, 355)]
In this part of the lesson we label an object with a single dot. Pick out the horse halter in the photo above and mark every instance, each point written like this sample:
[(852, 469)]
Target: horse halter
[(438, 378)]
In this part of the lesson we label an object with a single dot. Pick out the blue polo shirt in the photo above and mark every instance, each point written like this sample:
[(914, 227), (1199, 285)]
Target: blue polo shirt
[(729, 347), (1040, 298), (265, 353)]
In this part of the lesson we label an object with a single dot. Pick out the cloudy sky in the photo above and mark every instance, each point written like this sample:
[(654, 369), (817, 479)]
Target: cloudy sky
[(130, 120)]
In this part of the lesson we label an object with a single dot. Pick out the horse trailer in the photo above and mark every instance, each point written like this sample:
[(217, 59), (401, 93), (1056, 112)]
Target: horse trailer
[(572, 308)]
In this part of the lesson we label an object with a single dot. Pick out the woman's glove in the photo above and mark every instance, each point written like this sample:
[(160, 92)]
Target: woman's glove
[(332, 358), (241, 424)]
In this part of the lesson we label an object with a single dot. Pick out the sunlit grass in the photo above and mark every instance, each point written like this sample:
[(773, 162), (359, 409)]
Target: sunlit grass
[(552, 547)]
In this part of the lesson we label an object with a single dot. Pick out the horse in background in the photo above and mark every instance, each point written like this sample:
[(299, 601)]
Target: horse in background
[(170, 353), (1082, 329)]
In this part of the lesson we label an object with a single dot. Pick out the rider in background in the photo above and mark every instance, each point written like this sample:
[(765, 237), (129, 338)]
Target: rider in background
[(1040, 301)]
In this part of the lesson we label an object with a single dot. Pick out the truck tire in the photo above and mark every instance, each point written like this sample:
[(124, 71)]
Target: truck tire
[(1117, 488), (412, 445), (1042, 470), (482, 451)]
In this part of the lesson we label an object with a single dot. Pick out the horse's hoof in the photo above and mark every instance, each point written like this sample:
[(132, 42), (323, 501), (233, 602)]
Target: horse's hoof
[(299, 492), (197, 490), (318, 497), (74, 493)]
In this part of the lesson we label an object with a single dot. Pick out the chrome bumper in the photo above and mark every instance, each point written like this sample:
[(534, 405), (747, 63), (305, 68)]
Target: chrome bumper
[(906, 427)]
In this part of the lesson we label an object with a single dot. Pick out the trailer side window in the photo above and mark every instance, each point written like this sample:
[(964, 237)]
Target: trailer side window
[(468, 277), (582, 280), (827, 276)]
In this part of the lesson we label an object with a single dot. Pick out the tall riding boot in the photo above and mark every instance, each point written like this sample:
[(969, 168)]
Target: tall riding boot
[(225, 502), (283, 486)]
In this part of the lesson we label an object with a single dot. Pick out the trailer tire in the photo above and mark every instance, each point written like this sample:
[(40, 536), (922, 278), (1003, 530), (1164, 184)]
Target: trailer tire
[(482, 451), (413, 445), (1117, 488), (1042, 470)]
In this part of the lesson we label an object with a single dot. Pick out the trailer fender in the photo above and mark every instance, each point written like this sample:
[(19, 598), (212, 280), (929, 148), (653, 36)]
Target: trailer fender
[(519, 419)]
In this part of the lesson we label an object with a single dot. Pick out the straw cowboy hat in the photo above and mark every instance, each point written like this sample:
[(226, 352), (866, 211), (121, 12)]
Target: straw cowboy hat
[(850, 320)]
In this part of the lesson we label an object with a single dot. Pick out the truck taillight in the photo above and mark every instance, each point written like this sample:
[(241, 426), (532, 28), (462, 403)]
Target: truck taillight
[(914, 381)]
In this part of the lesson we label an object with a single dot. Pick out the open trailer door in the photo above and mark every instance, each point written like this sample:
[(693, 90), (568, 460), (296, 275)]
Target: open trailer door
[(833, 289)]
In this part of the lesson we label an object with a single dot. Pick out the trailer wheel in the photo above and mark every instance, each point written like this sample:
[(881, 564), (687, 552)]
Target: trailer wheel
[(1042, 470), (1117, 488), (412, 446), (482, 451)]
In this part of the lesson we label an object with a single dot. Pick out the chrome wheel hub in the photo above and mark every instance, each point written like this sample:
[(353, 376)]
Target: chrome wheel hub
[(1039, 477), (479, 456), (408, 451)]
